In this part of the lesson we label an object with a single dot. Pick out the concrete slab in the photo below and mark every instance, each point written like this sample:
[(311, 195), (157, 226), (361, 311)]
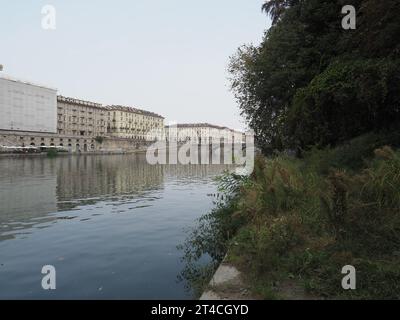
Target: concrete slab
[(225, 273), (210, 295)]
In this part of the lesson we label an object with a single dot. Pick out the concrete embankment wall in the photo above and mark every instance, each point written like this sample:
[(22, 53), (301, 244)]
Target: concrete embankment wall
[(75, 144)]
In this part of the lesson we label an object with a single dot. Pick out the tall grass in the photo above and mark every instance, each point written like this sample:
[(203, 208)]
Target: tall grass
[(307, 220)]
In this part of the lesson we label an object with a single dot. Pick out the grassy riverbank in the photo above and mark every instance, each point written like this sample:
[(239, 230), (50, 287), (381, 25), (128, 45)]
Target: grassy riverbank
[(298, 222), (302, 220)]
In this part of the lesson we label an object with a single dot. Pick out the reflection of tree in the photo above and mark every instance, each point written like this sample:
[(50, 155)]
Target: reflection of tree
[(207, 243), (203, 250), (206, 246)]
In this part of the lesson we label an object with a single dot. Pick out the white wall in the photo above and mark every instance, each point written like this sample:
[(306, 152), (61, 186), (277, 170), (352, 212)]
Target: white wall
[(27, 107)]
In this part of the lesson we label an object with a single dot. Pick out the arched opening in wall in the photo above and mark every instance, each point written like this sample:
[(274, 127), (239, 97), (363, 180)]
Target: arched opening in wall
[(42, 144), (85, 147), (92, 147), (52, 144), (69, 147), (61, 145), (78, 147), (32, 144)]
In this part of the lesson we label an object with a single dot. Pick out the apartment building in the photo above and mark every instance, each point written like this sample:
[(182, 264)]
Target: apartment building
[(202, 133), (81, 118), (238, 136), (132, 123)]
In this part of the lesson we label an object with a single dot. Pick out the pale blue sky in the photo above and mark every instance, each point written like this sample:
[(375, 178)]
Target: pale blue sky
[(169, 57)]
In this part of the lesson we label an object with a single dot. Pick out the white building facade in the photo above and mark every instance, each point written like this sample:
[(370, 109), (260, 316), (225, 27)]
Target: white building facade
[(202, 133), (27, 107)]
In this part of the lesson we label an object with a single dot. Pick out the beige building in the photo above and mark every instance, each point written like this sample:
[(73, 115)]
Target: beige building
[(132, 123), (81, 118)]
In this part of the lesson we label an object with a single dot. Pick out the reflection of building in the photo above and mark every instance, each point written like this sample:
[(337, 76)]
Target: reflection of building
[(81, 118), (202, 132), (132, 123), (26, 198), (27, 107), (99, 176), (196, 171), (31, 188)]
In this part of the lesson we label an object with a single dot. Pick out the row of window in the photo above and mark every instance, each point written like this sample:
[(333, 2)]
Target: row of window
[(54, 139)]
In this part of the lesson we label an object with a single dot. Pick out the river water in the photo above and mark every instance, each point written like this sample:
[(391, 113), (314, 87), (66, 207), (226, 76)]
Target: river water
[(109, 224)]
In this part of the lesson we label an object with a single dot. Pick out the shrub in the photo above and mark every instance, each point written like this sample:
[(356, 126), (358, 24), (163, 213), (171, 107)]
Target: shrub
[(51, 153)]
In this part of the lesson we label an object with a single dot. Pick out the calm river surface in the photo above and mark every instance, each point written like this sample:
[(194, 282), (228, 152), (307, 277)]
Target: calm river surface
[(108, 224)]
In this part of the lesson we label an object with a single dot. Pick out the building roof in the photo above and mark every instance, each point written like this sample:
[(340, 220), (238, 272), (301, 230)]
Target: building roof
[(134, 110), (79, 102), (106, 108), (200, 125), (9, 78), (196, 125)]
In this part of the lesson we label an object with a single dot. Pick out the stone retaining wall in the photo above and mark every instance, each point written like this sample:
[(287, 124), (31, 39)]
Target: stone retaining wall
[(72, 143)]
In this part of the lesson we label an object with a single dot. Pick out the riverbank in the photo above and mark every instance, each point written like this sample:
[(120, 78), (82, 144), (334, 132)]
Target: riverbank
[(292, 226), (228, 283)]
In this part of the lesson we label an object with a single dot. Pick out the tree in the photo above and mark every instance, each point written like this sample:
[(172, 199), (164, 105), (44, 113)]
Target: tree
[(306, 62), (349, 98), (276, 8)]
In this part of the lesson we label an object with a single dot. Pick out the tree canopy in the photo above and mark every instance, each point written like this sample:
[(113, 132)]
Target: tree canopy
[(310, 82)]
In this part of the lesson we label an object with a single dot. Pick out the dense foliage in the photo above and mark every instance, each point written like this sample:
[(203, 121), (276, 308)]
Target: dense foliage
[(310, 82), (296, 222)]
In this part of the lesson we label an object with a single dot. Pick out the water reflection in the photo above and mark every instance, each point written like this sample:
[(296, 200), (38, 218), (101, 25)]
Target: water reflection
[(31, 188), (87, 180), (109, 224)]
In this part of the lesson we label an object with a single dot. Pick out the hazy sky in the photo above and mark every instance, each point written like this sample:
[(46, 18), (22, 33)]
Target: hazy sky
[(166, 56)]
